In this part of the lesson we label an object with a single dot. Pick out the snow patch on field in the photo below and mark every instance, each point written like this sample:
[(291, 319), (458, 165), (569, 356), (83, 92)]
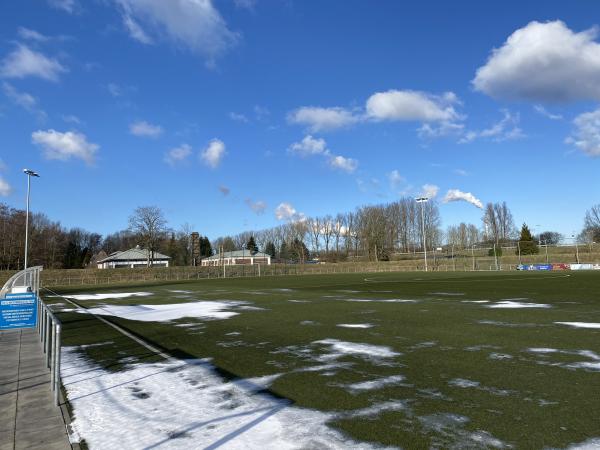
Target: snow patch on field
[(510, 304), (449, 294), (590, 444), (111, 295), (390, 300), (376, 384), (184, 404), (342, 348), (475, 301), (355, 325), (166, 313), (462, 383), (581, 324)]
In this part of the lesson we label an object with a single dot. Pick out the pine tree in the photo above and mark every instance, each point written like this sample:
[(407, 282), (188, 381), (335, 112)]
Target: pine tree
[(205, 247), (526, 243), (251, 245), (270, 249)]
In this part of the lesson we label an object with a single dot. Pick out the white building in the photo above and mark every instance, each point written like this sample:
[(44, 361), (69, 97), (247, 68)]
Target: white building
[(133, 258), (237, 257)]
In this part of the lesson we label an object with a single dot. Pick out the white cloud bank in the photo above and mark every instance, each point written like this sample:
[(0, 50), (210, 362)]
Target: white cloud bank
[(144, 129), (25, 62), (409, 105), (285, 211), (68, 6), (543, 62), (258, 207), (311, 146), (455, 195), (586, 136), (505, 129), (65, 146), (213, 154), (178, 154), (429, 190), (5, 188), (193, 24), (318, 119)]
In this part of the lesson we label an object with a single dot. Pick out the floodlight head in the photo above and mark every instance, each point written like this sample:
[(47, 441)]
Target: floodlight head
[(421, 199), (31, 173)]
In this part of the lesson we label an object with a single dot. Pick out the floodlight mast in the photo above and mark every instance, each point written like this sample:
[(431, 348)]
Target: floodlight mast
[(422, 200), (30, 173)]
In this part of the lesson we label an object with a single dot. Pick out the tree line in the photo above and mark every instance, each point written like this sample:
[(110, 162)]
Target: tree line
[(372, 232)]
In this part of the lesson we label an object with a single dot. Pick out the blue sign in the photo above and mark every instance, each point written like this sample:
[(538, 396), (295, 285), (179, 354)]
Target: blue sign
[(18, 311)]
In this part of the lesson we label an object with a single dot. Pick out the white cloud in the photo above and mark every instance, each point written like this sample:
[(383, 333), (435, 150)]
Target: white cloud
[(24, 62), (461, 172), (114, 89), (544, 112), (193, 24), (505, 129), (586, 136), (178, 154), (412, 106), (429, 190), (285, 211), (258, 207), (309, 146), (245, 4), (70, 118), (69, 6), (455, 195), (213, 154), (543, 62), (24, 100), (144, 129), (322, 119), (440, 129), (395, 178), (64, 146), (32, 35), (224, 190), (135, 31), (261, 112), (5, 188), (347, 165), (238, 117)]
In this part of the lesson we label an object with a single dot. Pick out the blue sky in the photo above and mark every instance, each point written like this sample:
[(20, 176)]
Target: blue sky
[(242, 114)]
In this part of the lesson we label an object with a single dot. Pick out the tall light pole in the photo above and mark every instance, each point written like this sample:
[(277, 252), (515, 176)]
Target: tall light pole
[(422, 200), (29, 173)]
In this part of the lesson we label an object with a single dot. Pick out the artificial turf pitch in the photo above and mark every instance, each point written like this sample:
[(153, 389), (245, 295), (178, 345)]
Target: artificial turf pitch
[(461, 367)]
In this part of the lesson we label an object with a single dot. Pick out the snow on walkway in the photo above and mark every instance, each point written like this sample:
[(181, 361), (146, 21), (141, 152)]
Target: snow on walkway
[(184, 404)]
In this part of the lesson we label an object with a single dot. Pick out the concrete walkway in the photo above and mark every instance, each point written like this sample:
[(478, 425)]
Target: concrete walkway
[(28, 417)]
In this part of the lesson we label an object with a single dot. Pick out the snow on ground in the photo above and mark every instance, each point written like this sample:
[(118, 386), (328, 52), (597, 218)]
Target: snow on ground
[(462, 383), (166, 313), (355, 325), (590, 444), (376, 384), (517, 304), (184, 404), (341, 348), (390, 300), (110, 295), (589, 365), (580, 324), (475, 301), (449, 294)]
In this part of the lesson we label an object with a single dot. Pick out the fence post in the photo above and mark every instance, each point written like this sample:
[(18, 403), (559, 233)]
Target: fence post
[(57, 354), (53, 360)]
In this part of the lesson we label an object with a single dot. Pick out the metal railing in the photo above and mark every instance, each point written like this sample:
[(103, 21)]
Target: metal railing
[(47, 324), (49, 328)]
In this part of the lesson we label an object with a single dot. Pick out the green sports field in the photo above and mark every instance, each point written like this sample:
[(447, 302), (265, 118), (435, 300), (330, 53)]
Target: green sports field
[(411, 360)]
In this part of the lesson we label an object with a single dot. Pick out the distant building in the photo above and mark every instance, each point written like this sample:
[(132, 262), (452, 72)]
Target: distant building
[(130, 259), (237, 257)]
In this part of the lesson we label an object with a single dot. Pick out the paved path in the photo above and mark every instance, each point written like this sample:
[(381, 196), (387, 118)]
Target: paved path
[(28, 417)]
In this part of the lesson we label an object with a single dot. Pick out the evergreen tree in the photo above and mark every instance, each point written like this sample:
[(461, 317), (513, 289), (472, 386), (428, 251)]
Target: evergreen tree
[(270, 249), (527, 244), (298, 251), (283, 251), (251, 245), (205, 247), (172, 249)]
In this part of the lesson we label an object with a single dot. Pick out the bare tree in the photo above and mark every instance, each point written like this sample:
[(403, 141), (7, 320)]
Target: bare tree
[(150, 225)]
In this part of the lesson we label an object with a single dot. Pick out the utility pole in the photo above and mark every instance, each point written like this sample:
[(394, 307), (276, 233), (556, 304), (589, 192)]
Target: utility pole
[(422, 200), (29, 173)]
